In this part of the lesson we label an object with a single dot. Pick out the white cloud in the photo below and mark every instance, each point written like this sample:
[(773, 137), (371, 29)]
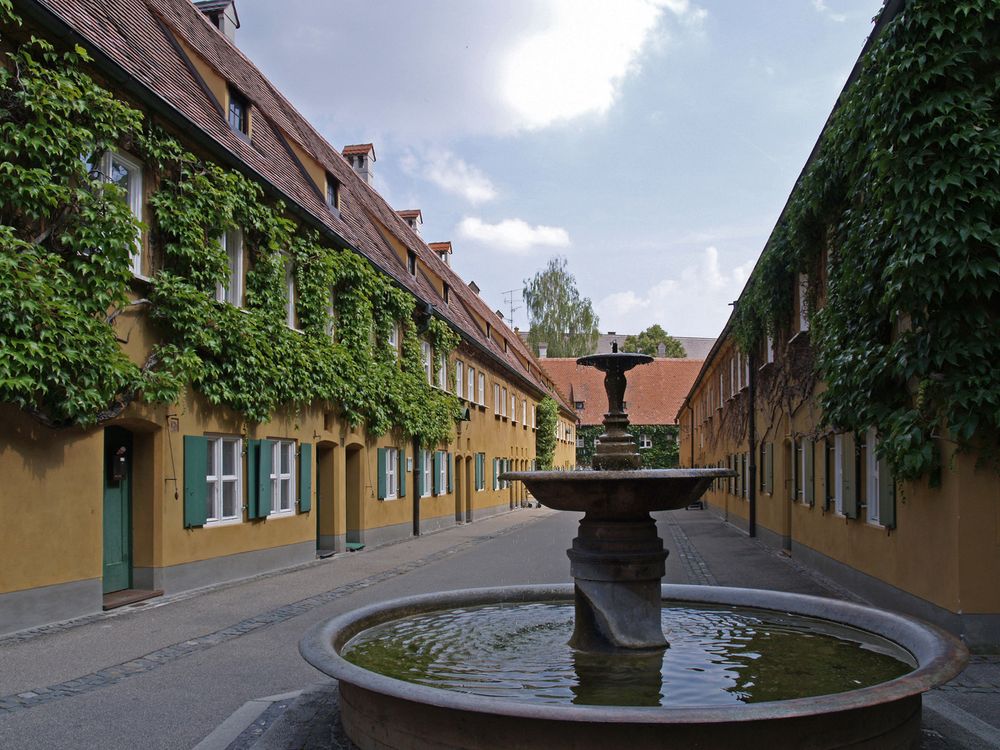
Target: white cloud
[(450, 173), (695, 303), (822, 7), (575, 66), (511, 235)]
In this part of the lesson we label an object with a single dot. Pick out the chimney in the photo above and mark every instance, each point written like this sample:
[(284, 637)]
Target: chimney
[(474, 286), (443, 251), (499, 314), (222, 14), (543, 350), (413, 218), (361, 157), (612, 333), (661, 350)]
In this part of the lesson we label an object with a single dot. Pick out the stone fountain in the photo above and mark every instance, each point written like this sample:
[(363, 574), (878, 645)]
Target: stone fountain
[(491, 668)]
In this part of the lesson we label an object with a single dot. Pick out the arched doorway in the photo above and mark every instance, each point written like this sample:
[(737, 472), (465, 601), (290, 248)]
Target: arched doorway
[(459, 487), (469, 489), (327, 530), (354, 501)]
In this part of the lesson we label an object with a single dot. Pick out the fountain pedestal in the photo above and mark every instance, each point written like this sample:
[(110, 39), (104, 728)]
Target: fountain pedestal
[(617, 565)]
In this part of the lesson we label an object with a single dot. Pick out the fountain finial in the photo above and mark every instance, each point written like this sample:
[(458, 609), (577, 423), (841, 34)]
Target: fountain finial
[(616, 450)]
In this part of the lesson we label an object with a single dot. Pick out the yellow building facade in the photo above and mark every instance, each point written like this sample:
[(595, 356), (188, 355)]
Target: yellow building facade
[(172, 497)]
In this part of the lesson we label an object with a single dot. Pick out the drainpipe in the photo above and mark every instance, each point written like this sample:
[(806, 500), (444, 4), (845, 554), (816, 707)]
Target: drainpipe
[(691, 412), (752, 439)]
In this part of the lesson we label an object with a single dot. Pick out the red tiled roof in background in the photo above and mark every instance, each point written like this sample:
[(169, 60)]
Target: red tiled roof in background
[(653, 396), (138, 35), (360, 148)]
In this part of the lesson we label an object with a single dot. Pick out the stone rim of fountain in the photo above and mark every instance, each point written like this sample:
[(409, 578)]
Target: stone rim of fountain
[(939, 656)]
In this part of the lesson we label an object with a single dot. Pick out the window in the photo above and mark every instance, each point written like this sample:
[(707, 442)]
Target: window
[(472, 385), (513, 409), (411, 262), (391, 473), (803, 302), (331, 315), (459, 378), (880, 487), (239, 112), (533, 425), (224, 500), (232, 291), (283, 477), (798, 470), (425, 355), (579, 441), (769, 353), (425, 473), (393, 340), (579, 404), (503, 403), (332, 193), (126, 173), (289, 293), (482, 389), (443, 371), (645, 441), (496, 399), (447, 294), (838, 476), (480, 472), (442, 472), (524, 412)]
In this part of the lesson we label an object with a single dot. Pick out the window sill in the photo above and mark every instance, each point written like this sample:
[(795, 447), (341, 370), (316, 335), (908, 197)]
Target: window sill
[(799, 335), (281, 514), (765, 366), (223, 522)]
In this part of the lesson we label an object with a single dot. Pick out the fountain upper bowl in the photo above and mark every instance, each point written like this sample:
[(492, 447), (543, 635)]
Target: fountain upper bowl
[(618, 493)]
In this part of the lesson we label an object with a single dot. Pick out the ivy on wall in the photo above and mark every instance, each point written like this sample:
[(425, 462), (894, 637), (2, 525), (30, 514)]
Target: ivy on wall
[(663, 454), (66, 237), (896, 217), (546, 419)]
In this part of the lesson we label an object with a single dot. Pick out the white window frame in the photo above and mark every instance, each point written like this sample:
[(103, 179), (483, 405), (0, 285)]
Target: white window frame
[(443, 371), (872, 498), (443, 474), (769, 357), (513, 408), (471, 388), (290, 293), (503, 402), (803, 302), (278, 477), (496, 399), (133, 198), (391, 473), (482, 389), (425, 355), (524, 412), (393, 340), (579, 441), (427, 473), (645, 441), (460, 378), (838, 474), (232, 244), (215, 482), (331, 320)]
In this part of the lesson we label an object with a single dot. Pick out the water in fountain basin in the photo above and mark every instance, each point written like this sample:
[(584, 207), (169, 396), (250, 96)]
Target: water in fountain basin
[(717, 656)]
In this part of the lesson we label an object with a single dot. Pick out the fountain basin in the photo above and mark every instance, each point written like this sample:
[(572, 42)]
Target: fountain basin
[(383, 712), (618, 494)]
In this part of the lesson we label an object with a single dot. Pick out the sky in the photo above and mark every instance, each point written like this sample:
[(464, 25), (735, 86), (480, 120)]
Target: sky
[(652, 143)]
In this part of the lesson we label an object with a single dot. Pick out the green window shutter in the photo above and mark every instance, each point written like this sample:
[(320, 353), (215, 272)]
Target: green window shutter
[(495, 485), (195, 482), (420, 472), (886, 494), (437, 473), (480, 460), (809, 491), (305, 477), (827, 473), (251, 492), (381, 473), (402, 472), (769, 469), (265, 460), (451, 473), (849, 469)]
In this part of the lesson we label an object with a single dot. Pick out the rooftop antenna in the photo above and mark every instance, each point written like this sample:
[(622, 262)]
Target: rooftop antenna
[(508, 299)]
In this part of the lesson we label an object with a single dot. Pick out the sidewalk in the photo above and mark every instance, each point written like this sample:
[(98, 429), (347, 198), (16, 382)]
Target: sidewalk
[(704, 550)]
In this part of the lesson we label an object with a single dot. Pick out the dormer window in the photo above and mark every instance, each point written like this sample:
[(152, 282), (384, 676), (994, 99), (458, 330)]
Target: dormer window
[(411, 262), (579, 404), (332, 193), (447, 294), (239, 112)]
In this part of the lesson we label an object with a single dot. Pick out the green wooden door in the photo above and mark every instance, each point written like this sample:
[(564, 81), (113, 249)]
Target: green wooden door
[(117, 509)]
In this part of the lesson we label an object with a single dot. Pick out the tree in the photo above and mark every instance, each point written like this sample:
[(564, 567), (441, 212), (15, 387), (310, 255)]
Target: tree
[(649, 340), (557, 314)]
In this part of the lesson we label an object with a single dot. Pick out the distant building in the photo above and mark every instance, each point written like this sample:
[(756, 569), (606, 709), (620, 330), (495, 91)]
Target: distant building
[(653, 397), (695, 347)]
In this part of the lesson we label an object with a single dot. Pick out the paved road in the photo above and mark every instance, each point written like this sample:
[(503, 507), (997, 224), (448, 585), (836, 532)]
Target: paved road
[(168, 673)]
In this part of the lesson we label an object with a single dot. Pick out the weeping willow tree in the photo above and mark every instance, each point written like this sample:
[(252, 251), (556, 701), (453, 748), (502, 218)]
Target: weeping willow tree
[(558, 315)]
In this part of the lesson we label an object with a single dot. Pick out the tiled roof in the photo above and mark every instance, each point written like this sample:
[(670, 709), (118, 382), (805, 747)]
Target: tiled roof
[(141, 37), (440, 247), (360, 148), (695, 347), (653, 396)]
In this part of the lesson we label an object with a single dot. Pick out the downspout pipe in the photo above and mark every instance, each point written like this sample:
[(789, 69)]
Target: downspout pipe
[(691, 412), (752, 439)]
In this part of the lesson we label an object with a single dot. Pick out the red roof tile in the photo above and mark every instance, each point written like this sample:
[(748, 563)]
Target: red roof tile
[(653, 396)]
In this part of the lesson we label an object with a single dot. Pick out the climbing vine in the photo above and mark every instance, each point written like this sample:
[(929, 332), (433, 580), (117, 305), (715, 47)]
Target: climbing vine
[(662, 455), (895, 223), (546, 418), (66, 240)]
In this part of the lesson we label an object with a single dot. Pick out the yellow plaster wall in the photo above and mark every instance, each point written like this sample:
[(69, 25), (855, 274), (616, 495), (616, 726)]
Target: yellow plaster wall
[(51, 502)]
